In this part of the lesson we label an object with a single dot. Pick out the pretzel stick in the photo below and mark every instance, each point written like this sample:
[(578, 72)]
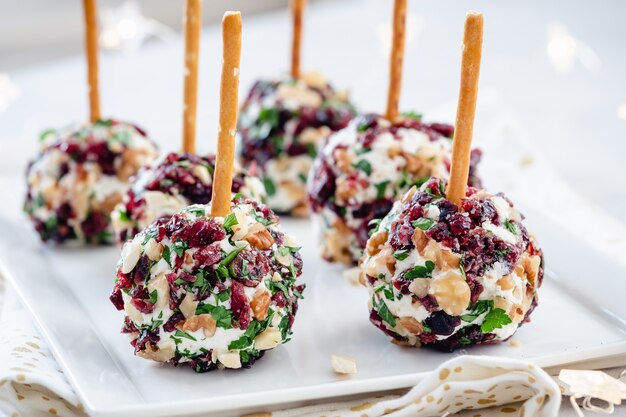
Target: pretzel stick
[(193, 22), (229, 92), (466, 108), (91, 49), (397, 57), (297, 8)]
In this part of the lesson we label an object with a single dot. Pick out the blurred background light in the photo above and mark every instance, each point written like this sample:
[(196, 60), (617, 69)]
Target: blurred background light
[(564, 50)]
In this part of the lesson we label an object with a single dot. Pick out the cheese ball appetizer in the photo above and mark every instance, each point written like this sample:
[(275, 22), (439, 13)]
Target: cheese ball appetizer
[(171, 184), (449, 277), (79, 175), (209, 292), (364, 168), (282, 124)]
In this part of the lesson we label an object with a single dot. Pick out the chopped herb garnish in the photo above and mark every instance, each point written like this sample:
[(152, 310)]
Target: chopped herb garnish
[(179, 247), (401, 255), (153, 297), (412, 115), (380, 189), (269, 115), (465, 341), (232, 255), (283, 326), (374, 224), (512, 227), (270, 188), (481, 306), (384, 313), (229, 221), (123, 214), (423, 223), (495, 319), (167, 255), (311, 149), (45, 133), (419, 271), (180, 333), (221, 315), (223, 296), (364, 166)]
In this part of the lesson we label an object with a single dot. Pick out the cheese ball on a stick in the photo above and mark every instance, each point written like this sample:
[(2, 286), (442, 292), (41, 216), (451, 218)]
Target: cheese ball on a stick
[(284, 122), (82, 172), (79, 175), (452, 266), (171, 184), (361, 170), (209, 292), (178, 179), (215, 286), (449, 276), (364, 168)]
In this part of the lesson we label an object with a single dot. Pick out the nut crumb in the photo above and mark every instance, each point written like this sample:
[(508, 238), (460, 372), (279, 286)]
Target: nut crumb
[(343, 365)]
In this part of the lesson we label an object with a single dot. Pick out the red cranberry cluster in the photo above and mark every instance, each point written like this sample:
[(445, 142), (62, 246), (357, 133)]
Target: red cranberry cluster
[(173, 175)]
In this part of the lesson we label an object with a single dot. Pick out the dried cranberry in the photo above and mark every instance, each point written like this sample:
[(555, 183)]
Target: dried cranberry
[(239, 305), (442, 323), (117, 300)]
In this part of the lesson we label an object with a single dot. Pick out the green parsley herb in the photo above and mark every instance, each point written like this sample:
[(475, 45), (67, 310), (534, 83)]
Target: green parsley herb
[(420, 271), (229, 221), (512, 227), (364, 166), (495, 319), (380, 189), (423, 223), (270, 188), (401, 255), (180, 333)]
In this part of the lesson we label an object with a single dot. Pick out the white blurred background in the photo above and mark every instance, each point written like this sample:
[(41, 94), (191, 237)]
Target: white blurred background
[(34, 31)]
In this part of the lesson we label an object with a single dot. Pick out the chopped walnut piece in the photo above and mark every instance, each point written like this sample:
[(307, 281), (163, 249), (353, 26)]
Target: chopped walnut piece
[(344, 159), (153, 352), (410, 324), (337, 243), (394, 151), (409, 194), (506, 283), (531, 268), (449, 259), (376, 241), (202, 321), (420, 240), (345, 190), (260, 304), (188, 305), (451, 292), (259, 237), (343, 365)]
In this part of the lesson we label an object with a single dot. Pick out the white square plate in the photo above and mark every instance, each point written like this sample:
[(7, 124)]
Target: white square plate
[(580, 318)]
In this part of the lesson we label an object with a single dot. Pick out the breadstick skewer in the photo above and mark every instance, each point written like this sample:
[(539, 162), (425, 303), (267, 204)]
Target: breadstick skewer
[(229, 92), (397, 58), (193, 24), (466, 108), (91, 49), (297, 9)]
